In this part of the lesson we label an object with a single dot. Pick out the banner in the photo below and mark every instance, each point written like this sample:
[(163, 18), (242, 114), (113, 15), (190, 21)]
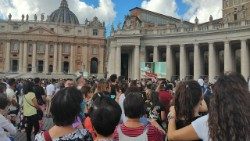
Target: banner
[(153, 70)]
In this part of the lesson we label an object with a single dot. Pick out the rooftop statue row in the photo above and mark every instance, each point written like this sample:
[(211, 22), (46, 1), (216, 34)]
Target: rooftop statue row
[(95, 21), (63, 15)]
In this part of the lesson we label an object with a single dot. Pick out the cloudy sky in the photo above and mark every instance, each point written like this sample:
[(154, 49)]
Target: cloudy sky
[(113, 11)]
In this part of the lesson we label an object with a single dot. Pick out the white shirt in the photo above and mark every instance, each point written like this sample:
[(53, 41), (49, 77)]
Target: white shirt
[(121, 100), (11, 96), (200, 126), (6, 125), (50, 90), (10, 93)]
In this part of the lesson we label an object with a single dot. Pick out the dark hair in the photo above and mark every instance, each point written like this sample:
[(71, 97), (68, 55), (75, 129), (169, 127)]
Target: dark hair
[(79, 77), (154, 98), (11, 81), (85, 90), (3, 87), (132, 89), (187, 96), (113, 77), (37, 80), (3, 101), (229, 113), (65, 106), (105, 115), (134, 105), (28, 86)]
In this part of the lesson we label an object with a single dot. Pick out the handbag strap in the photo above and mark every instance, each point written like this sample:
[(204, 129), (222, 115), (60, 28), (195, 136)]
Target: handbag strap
[(47, 136)]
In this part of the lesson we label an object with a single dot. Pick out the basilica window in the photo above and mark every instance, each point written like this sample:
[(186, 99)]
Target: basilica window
[(15, 27), (235, 16), (94, 66), (66, 48), (14, 47), (40, 48), (95, 32), (52, 29), (30, 48), (94, 50), (51, 48)]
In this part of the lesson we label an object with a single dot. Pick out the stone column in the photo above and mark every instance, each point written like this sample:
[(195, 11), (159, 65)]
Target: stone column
[(60, 59), (101, 60), (46, 64), (244, 59), (137, 62), (20, 67), (228, 64), (34, 58), (143, 53), (212, 66), (197, 61), (111, 61), (183, 62), (72, 60), (85, 58), (156, 54), (118, 60), (7, 58), (169, 61), (55, 59), (25, 57)]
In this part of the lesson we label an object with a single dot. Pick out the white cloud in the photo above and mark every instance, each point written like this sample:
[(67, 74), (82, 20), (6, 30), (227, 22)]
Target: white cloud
[(197, 8), (203, 9), (104, 11), (166, 7)]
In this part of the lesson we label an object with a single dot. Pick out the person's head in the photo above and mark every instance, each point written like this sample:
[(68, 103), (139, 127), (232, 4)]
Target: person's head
[(86, 91), (102, 87), (68, 83), (4, 102), (187, 98), (3, 87), (134, 105), (80, 81), (65, 106), (105, 115), (12, 82), (229, 113), (28, 87), (53, 81), (37, 80), (113, 78), (154, 98)]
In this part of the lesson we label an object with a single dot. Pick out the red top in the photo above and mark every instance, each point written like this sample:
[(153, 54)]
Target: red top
[(153, 133), (165, 97), (88, 125)]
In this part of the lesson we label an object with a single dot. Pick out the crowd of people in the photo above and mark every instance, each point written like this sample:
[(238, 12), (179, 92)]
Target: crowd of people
[(117, 109)]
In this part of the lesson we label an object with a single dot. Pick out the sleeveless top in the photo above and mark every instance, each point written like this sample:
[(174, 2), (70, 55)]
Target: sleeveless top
[(123, 137)]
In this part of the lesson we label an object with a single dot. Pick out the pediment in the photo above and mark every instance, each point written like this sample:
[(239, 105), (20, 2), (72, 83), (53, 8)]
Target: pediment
[(40, 30)]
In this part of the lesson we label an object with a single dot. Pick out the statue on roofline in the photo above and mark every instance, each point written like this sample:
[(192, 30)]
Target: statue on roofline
[(10, 16), (22, 17), (27, 17), (35, 17)]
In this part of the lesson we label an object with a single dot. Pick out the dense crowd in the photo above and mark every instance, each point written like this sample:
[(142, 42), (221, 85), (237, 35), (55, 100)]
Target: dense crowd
[(126, 110)]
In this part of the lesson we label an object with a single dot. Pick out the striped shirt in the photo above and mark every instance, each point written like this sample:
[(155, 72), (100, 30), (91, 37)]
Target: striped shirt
[(153, 133)]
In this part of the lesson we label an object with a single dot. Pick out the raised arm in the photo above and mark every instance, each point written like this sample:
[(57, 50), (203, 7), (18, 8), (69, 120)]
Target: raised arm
[(186, 133)]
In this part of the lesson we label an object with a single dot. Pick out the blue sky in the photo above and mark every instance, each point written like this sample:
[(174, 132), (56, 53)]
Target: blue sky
[(122, 7)]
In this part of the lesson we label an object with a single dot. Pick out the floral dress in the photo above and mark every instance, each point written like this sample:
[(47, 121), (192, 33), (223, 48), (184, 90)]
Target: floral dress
[(78, 135)]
